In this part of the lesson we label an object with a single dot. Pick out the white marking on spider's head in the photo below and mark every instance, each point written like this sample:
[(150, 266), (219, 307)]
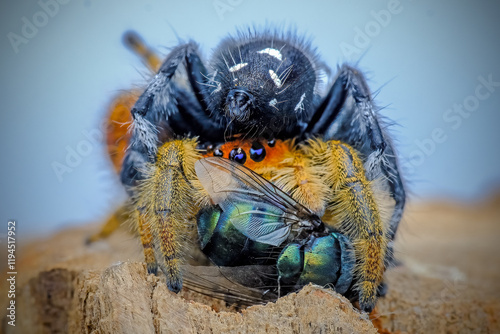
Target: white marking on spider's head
[(237, 67), (273, 103), (276, 79), (300, 105), (272, 52)]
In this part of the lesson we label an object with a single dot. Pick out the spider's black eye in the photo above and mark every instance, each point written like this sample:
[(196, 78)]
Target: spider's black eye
[(238, 155), (271, 142), (257, 152), (218, 153)]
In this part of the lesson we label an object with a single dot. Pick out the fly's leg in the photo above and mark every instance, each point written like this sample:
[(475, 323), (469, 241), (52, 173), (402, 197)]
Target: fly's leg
[(354, 207), (165, 201)]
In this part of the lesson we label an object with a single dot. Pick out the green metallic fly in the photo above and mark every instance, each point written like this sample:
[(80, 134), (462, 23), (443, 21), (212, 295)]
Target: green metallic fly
[(253, 222)]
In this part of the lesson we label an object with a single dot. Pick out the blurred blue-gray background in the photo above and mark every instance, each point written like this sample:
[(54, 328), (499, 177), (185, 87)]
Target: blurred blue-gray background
[(435, 63)]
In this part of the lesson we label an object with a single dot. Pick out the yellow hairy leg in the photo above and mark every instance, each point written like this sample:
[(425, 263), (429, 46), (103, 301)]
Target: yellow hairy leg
[(353, 205), (165, 201), (139, 47), (145, 233), (112, 224)]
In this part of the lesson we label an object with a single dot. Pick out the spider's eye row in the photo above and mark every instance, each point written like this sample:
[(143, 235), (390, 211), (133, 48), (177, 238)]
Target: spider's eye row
[(257, 152), (218, 153), (238, 155)]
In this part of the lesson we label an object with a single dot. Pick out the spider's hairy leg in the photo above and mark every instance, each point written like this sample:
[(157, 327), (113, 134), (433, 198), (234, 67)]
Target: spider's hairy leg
[(349, 114), (354, 206), (111, 225), (371, 140), (157, 110), (135, 43), (117, 123), (165, 201), (119, 115), (157, 168), (144, 229)]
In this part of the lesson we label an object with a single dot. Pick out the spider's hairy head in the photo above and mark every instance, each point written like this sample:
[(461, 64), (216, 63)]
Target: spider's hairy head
[(262, 82)]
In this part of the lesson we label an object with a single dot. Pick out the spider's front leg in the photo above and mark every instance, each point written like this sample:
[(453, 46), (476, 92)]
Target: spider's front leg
[(158, 168), (349, 114), (117, 136), (355, 211)]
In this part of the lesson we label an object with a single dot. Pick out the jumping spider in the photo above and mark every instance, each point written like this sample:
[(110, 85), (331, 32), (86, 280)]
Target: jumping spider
[(259, 103)]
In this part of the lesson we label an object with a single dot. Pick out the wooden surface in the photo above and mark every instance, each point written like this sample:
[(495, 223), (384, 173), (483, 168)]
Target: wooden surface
[(449, 281)]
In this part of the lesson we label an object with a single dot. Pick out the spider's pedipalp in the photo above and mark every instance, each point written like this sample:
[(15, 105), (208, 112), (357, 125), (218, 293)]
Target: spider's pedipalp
[(164, 202), (353, 203)]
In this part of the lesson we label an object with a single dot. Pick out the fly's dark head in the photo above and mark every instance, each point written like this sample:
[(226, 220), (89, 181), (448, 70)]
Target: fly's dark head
[(261, 85)]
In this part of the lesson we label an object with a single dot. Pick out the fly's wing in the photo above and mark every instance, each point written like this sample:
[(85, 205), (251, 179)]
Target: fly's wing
[(242, 285), (257, 208)]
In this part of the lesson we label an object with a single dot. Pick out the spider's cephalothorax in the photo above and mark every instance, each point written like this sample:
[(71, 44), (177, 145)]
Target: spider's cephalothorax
[(260, 117), (262, 84)]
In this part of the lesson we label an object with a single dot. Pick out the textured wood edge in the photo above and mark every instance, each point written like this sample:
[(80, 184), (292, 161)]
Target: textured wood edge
[(123, 299)]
